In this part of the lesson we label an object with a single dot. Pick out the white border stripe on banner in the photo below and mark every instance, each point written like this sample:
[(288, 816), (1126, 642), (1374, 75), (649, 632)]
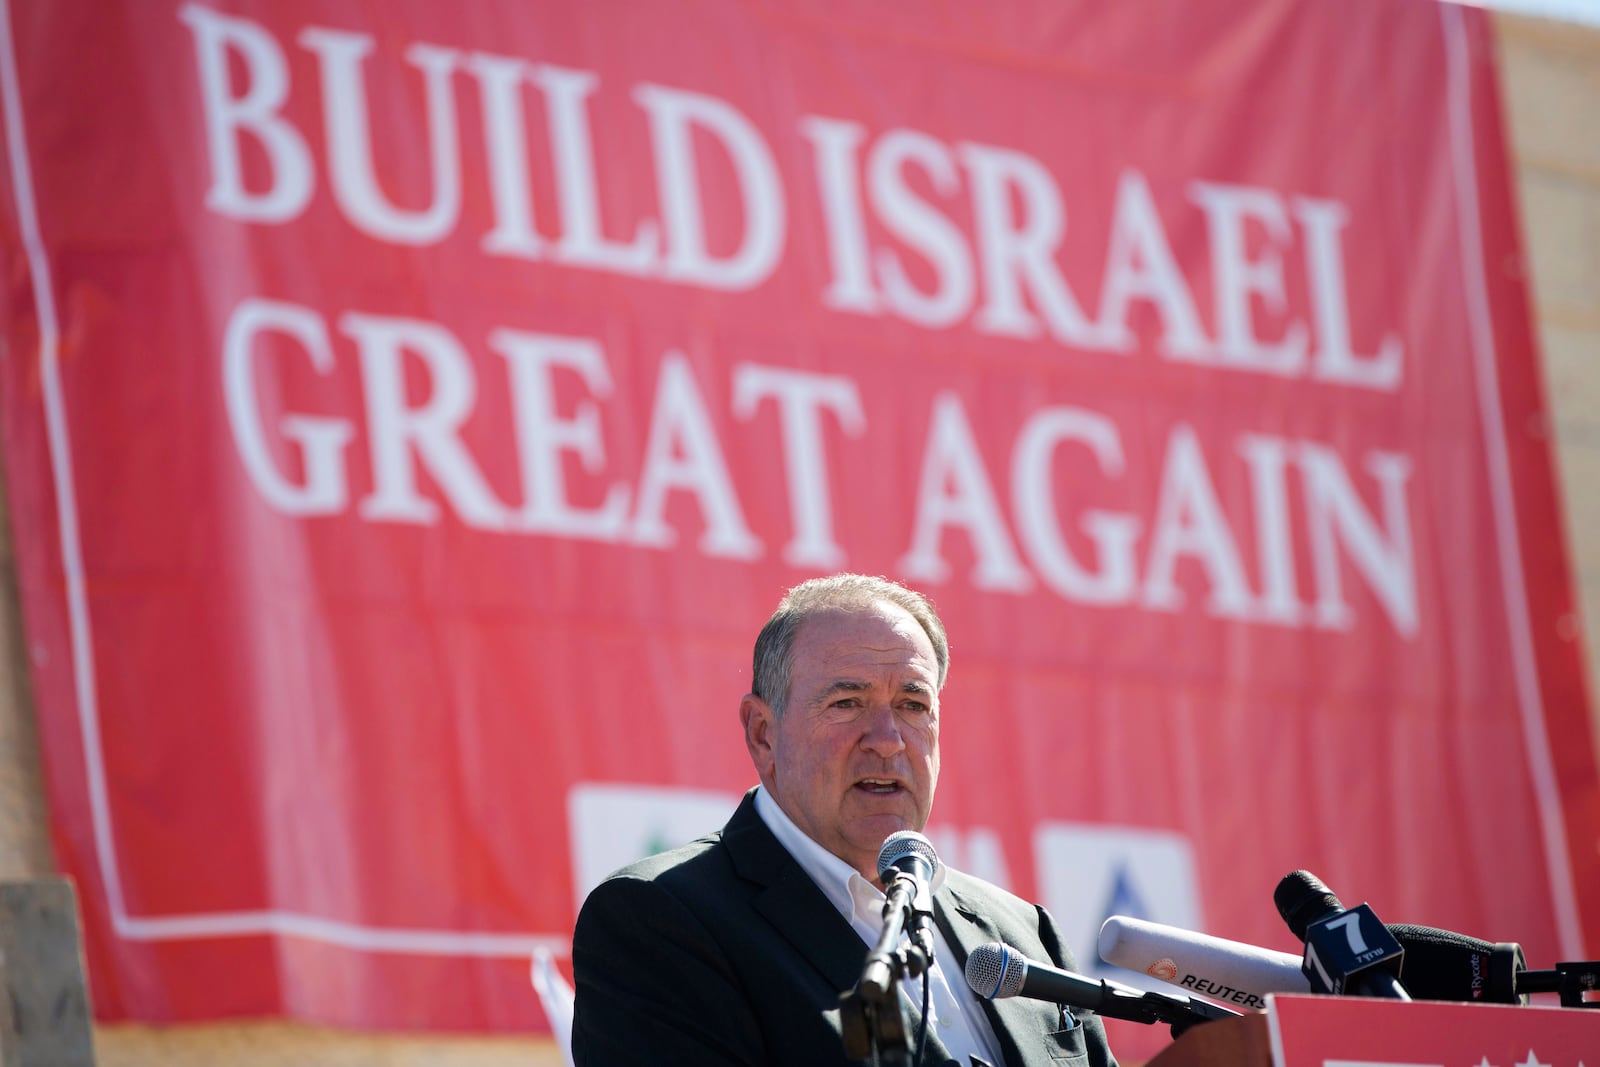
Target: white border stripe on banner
[(346, 935), (60, 449), (1535, 737), (175, 927)]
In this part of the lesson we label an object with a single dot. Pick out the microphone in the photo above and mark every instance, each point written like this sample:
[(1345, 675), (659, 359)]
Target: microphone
[(909, 866), (996, 971), (1439, 965), (1214, 967), (1443, 965), (1348, 950)]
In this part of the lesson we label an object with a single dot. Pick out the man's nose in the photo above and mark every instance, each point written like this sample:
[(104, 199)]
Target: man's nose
[(882, 736)]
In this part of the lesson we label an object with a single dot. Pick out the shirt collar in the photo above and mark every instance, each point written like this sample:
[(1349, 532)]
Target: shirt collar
[(832, 874), (839, 881)]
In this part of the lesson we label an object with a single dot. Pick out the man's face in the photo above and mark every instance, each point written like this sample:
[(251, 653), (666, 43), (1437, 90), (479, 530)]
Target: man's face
[(855, 756)]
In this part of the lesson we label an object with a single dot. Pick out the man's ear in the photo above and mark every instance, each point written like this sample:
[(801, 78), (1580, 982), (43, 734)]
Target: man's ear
[(760, 735)]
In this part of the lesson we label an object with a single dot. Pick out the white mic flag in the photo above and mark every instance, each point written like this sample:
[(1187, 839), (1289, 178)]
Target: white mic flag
[(1228, 971)]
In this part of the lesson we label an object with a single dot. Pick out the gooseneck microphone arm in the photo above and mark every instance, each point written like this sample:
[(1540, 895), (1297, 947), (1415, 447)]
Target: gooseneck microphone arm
[(887, 960), (872, 1015), (1576, 981)]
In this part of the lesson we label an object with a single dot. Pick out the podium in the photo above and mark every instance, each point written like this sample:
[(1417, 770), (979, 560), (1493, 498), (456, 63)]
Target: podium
[(1311, 1031)]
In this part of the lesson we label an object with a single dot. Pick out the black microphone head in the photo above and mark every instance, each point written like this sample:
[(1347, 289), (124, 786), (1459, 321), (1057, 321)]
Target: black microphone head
[(905, 847), (1302, 899), (1443, 965), (995, 971)]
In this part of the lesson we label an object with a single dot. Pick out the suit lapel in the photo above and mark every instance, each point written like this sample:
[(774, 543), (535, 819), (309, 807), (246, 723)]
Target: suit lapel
[(790, 900), (1020, 1024), (798, 909)]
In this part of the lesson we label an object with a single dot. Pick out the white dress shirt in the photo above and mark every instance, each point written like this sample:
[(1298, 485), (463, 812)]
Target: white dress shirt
[(953, 1010)]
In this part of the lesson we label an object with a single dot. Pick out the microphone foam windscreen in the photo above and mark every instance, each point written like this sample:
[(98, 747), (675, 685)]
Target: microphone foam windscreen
[(1443, 965), (995, 972), (1301, 899), (905, 843)]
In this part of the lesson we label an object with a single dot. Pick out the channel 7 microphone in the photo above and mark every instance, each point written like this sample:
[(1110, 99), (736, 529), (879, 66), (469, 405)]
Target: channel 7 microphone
[(1348, 950)]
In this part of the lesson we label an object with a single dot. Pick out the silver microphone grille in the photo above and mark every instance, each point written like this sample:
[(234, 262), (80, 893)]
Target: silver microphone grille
[(904, 843), (995, 971)]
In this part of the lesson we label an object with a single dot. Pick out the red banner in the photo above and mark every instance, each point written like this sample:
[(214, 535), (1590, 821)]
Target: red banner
[(1326, 1031), (413, 411)]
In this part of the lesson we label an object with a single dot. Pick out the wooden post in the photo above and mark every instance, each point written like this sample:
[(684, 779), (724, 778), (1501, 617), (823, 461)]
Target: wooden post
[(44, 1002)]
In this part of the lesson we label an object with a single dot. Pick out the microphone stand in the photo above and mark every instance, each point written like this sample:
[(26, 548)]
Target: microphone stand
[(872, 1015), (1149, 1007), (1574, 981)]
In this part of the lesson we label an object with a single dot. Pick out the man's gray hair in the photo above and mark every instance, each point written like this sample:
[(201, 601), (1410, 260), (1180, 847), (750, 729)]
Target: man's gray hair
[(774, 654)]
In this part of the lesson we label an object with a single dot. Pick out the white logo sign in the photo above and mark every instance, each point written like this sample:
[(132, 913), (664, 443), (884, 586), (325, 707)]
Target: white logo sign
[(611, 825), (1090, 872)]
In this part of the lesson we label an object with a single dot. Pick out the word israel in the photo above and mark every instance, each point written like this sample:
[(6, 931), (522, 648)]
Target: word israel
[(419, 398), (1004, 279)]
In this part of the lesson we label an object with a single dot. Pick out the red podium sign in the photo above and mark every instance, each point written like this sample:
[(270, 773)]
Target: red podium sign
[(1311, 1031)]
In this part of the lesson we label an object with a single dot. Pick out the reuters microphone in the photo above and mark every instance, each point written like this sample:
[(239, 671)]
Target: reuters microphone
[(1214, 967)]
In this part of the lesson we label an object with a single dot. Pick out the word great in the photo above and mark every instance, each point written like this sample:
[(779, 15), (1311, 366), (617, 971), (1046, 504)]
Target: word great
[(420, 394)]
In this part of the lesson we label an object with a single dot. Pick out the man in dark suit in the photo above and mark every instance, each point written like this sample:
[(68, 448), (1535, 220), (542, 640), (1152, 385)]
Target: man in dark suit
[(735, 949)]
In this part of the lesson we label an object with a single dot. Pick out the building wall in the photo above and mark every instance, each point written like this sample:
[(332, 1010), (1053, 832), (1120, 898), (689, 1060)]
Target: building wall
[(1550, 75), (1550, 87)]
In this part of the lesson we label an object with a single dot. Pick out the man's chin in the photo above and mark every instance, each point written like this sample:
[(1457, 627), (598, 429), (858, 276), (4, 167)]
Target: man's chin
[(873, 829)]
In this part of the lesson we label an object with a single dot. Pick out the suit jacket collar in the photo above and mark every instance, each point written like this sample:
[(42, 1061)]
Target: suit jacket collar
[(801, 912), (790, 900), (965, 928)]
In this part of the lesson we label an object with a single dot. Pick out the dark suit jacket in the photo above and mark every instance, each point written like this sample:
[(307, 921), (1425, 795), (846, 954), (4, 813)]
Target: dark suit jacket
[(726, 952)]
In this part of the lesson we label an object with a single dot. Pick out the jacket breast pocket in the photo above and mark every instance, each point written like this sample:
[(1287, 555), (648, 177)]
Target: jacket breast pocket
[(1066, 1044)]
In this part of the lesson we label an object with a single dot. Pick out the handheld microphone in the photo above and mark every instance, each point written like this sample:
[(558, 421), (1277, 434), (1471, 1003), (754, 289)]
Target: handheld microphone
[(1348, 950), (908, 866), (995, 971), (1214, 967)]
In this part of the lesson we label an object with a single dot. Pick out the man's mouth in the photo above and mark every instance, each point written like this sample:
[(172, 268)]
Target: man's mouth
[(883, 786)]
